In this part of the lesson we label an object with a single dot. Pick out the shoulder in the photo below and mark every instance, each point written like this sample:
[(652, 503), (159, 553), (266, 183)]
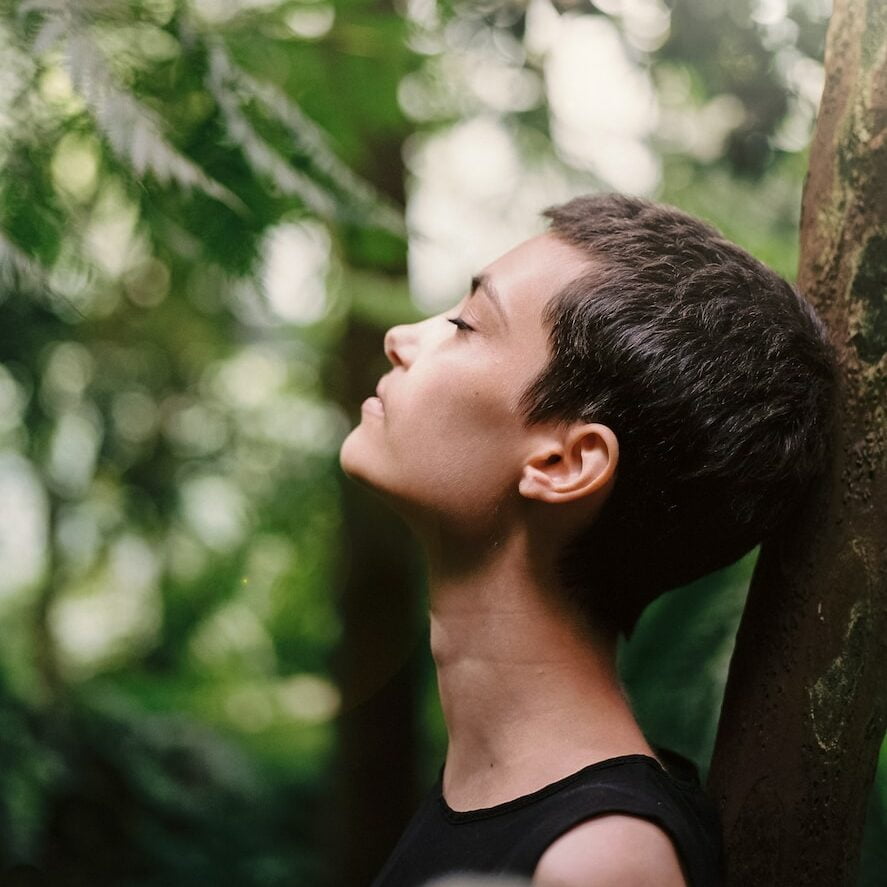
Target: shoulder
[(614, 850)]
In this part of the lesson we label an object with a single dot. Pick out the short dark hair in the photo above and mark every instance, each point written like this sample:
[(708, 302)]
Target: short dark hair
[(717, 378)]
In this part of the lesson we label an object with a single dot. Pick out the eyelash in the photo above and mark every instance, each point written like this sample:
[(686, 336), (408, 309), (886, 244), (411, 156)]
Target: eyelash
[(460, 324)]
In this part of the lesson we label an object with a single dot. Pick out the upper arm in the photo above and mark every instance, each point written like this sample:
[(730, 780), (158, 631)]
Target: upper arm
[(611, 851)]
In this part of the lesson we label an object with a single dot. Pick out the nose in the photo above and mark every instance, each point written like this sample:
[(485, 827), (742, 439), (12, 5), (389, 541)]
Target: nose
[(396, 344), (405, 341)]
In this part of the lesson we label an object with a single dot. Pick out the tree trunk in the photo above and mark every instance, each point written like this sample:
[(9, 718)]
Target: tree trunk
[(378, 657), (804, 710), (376, 666)]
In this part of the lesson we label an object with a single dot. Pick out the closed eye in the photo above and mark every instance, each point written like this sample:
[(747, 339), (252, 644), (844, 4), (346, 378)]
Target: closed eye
[(460, 324)]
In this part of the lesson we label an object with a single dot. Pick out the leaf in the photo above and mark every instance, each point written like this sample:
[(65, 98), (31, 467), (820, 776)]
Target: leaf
[(133, 131), (18, 270), (49, 33), (230, 84)]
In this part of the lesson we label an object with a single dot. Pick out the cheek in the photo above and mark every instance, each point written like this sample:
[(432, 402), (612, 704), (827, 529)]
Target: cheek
[(459, 443), (455, 416)]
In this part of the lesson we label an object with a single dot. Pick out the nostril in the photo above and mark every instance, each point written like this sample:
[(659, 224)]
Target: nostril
[(390, 349)]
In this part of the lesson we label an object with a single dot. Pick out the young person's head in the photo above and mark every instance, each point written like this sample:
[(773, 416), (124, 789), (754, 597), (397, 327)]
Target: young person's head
[(650, 403)]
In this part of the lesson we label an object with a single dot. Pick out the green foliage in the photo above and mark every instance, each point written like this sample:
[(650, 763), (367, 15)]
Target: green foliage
[(689, 633), (177, 435), (170, 416), (107, 794)]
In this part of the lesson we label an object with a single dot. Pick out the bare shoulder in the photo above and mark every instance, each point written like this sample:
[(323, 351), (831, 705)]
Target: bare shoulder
[(611, 851)]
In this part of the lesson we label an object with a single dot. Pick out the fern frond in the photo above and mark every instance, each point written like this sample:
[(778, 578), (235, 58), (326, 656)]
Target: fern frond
[(133, 131), (50, 31), (21, 273), (18, 271), (230, 84), (47, 6), (260, 154)]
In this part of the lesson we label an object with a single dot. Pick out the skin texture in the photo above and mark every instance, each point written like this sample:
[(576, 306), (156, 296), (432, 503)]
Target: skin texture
[(528, 694), (611, 851)]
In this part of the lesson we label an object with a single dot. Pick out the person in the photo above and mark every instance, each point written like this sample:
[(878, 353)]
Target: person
[(614, 408)]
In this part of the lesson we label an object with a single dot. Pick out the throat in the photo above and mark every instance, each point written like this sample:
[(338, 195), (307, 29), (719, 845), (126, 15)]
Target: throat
[(528, 695), (520, 720)]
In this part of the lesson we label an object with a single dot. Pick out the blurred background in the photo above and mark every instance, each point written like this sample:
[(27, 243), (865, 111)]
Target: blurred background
[(214, 663)]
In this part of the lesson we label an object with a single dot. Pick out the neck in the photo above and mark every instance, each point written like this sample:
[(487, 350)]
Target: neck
[(527, 695)]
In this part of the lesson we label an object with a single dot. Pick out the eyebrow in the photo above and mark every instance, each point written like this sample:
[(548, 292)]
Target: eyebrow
[(482, 282)]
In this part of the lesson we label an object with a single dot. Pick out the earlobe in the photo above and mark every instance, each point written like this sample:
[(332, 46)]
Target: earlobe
[(579, 462)]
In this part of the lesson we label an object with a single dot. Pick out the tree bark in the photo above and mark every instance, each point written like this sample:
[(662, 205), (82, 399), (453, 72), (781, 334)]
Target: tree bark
[(804, 710)]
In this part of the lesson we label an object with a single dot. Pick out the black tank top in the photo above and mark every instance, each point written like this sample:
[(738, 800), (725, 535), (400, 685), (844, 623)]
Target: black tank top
[(510, 838)]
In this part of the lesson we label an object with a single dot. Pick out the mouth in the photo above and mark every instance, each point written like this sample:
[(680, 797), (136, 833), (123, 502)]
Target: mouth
[(373, 405)]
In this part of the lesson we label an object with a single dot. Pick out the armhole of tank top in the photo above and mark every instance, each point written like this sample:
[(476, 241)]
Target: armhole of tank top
[(685, 870)]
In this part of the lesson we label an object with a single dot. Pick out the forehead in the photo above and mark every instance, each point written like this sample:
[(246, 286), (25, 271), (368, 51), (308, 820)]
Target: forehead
[(533, 271)]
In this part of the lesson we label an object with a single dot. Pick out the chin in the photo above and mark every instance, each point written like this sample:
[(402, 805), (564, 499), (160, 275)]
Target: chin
[(349, 455), (356, 462)]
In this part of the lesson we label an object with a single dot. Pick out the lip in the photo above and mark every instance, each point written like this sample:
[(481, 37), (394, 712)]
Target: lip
[(373, 405)]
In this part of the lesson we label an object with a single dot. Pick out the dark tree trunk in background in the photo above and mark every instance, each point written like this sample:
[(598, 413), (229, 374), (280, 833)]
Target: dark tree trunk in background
[(377, 659), (376, 664), (805, 708)]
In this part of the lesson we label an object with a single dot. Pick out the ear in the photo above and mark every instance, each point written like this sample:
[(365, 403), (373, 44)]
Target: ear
[(570, 464)]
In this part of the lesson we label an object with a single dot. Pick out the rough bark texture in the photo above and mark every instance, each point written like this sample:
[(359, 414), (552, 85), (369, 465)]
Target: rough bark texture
[(805, 709)]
